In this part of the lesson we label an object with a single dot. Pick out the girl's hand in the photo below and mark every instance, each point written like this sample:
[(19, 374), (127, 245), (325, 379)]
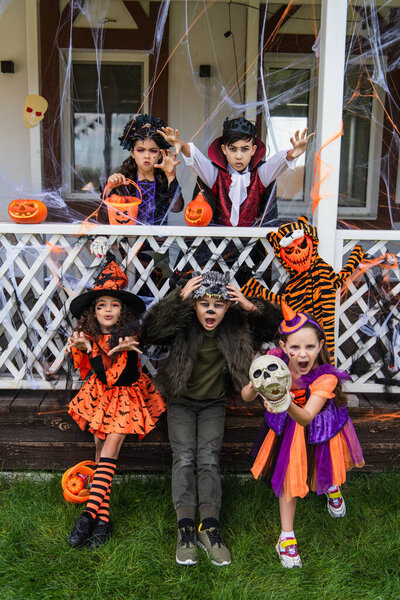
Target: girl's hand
[(271, 410), (190, 286), (127, 343), (168, 163), (79, 341), (248, 393), (237, 296), (299, 143), (171, 136), (117, 179)]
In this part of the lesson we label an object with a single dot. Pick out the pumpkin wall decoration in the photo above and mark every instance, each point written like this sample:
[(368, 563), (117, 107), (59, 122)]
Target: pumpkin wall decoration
[(27, 211), (122, 210), (198, 212)]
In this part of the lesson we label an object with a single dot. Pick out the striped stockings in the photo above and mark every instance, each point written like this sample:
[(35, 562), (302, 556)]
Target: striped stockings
[(99, 498)]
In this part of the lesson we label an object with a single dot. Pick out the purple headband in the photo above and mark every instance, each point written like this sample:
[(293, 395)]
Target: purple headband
[(289, 326)]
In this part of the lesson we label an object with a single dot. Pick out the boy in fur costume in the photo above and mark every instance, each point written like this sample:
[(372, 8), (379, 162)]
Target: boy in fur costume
[(211, 342)]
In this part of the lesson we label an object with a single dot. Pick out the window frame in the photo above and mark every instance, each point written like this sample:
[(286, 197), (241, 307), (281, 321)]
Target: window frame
[(109, 57), (370, 210)]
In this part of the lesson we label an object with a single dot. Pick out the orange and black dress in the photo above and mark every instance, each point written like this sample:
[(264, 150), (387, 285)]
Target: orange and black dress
[(116, 396)]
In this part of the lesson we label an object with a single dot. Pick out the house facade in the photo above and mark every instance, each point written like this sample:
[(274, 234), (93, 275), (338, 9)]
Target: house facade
[(327, 65)]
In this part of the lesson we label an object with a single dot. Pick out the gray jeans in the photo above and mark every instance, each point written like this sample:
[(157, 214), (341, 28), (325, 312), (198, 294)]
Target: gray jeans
[(196, 431)]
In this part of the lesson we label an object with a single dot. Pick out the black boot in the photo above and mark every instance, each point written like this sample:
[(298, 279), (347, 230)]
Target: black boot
[(100, 533), (81, 532)]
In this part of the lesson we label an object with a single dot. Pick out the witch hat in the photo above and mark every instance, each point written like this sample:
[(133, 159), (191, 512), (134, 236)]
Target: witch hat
[(293, 321), (110, 282)]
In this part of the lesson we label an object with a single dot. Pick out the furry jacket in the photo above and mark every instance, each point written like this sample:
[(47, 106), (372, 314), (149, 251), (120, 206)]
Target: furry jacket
[(173, 322)]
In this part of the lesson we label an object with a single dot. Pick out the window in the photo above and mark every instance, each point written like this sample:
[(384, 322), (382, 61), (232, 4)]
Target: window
[(291, 82), (94, 116)]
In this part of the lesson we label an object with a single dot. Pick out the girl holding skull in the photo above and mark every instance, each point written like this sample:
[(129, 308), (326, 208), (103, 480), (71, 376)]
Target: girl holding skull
[(309, 442)]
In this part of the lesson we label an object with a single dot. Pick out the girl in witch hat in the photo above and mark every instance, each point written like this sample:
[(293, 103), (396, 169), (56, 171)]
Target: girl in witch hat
[(313, 443), (116, 397)]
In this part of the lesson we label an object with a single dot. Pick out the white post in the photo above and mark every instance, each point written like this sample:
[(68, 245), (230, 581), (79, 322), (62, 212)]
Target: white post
[(32, 34), (332, 39), (252, 41)]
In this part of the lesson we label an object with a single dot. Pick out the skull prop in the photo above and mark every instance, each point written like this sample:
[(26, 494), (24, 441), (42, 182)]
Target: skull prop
[(271, 379), (34, 109)]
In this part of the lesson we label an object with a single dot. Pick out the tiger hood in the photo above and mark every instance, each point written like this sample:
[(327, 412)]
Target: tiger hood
[(286, 231)]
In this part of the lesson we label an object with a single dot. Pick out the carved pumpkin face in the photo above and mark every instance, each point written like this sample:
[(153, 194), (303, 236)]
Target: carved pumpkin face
[(122, 210), (298, 254), (198, 212), (27, 211)]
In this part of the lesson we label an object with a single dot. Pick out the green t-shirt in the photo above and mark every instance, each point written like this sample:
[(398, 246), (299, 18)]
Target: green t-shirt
[(207, 377)]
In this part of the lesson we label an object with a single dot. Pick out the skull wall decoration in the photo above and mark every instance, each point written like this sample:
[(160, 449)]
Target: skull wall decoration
[(34, 109), (271, 379)]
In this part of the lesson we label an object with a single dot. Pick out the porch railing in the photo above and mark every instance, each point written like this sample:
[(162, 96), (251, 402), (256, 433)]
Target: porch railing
[(42, 267)]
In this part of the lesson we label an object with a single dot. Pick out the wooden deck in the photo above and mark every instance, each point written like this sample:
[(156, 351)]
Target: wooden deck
[(37, 433)]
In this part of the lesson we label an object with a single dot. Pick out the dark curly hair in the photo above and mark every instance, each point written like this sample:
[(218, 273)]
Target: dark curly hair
[(143, 127), (127, 324)]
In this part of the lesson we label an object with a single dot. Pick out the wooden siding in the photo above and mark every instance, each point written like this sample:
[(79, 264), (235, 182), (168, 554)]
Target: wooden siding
[(37, 433)]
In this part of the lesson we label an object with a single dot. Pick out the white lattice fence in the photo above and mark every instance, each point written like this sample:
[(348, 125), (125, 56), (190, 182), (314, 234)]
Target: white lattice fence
[(368, 315), (43, 267)]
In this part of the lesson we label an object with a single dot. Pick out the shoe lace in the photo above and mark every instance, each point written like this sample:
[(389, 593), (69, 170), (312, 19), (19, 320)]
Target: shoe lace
[(187, 536), (291, 549), (335, 502), (215, 536)]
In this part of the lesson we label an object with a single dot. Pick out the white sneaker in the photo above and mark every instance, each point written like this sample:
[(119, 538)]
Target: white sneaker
[(287, 552), (335, 503)]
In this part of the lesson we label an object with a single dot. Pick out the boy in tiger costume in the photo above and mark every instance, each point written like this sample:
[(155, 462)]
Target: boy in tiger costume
[(313, 283)]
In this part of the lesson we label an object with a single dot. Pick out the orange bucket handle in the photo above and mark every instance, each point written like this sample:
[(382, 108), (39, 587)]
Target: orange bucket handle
[(128, 181)]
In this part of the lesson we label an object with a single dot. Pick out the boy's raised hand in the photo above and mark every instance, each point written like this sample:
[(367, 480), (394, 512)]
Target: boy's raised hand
[(79, 341), (128, 343), (168, 164), (190, 286), (237, 296), (299, 143), (171, 136)]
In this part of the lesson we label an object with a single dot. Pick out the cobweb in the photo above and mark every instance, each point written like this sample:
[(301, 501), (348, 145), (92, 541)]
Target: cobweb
[(286, 83)]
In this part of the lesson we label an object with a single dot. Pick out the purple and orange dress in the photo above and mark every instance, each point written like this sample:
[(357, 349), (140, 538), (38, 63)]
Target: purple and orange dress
[(295, 459), (116, 396)]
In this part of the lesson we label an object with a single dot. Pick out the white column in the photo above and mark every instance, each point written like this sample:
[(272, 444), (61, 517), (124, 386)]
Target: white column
[(332, 39), (252, 49), (32, 37)]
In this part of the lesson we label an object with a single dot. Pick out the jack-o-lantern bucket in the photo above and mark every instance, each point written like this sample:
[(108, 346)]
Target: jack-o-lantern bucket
[(27, 211), (198, 212), (75, 482), (122, 210)]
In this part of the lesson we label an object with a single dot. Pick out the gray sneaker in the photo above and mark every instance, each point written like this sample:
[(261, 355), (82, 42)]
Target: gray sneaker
[(211, 541), (186, 549)]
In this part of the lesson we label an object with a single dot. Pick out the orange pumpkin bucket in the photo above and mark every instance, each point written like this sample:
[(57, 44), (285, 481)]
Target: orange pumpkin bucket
[(122, 210), (71, 482), (198, 212)]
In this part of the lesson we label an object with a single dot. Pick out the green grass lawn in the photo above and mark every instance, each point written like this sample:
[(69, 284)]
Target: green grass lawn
[(355, 558)]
